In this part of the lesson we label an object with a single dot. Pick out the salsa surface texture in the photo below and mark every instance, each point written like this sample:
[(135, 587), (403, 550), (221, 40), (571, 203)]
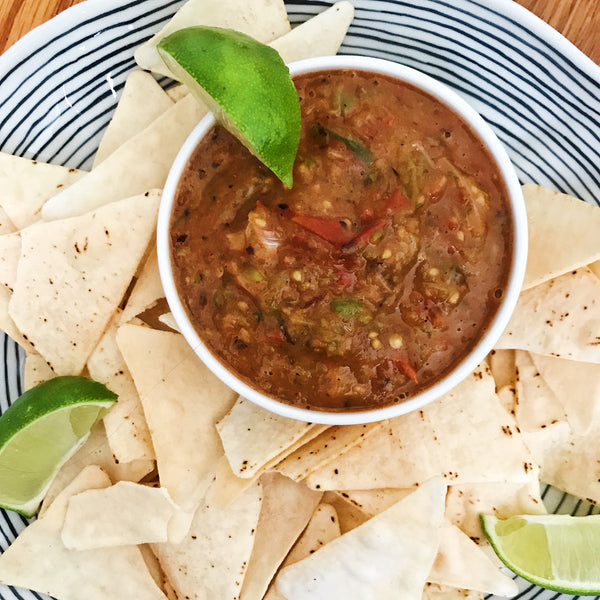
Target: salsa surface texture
[(370, 278)]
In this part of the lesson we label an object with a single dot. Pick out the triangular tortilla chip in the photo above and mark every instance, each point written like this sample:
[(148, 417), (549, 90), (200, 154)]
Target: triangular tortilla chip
[(464, 503), (125, 423), (536, 405), (147, 289), (182, 401), (402, 542), (212, 559), (560, 317), (36, 370), (124, 514), (10, 252), (141, 163), (434, 591), (252, 436), (264, 20), (563, 234), (324, 448), (27, 184), (460, 563), (72, 275), (576, 385), (142, 100), (322, 35), (484, 445), (95, 451), (322, 528), (37, 559), (6, 225), (286, 510)]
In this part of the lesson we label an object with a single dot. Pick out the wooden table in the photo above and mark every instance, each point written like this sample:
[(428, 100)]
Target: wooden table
[(578, 20)]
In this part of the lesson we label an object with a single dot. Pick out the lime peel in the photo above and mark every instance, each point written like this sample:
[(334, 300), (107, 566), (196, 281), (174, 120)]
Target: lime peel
[(557, 552), (40, 431), (246, 85)]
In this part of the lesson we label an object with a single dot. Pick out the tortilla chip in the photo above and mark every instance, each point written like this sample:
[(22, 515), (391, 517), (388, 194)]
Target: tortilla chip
[(576, 386), (464, 503), (460, 563), (7, 324), (27, 184), (125, 423), (123, 514), (560, 317), (558, 221), (169, 320), (37, 558), (72, 275), (536, 405), (264, 20), (10, 252), (483, 446), (502, 366), (6, 225), (177, 92), (568, 461), (212, 560), (434, 591), (595, 268), (286, 510), (349, 515), (322, 35), (182, 402), (141, 163), (36, 370), (402, 541), (372, 502), (142, 101), (324, 448), (322, 528), (252, 436), (95, 452), (147, 289)]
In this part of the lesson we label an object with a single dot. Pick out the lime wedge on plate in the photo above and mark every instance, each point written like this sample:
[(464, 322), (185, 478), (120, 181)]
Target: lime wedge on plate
[(558, 552), (246, 85), (40, 431)]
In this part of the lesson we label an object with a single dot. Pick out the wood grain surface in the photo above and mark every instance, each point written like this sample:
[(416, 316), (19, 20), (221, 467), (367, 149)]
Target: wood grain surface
[(577, 20)]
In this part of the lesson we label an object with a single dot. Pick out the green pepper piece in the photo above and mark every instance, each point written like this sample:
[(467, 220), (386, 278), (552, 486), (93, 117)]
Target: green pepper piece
[(348, 308)]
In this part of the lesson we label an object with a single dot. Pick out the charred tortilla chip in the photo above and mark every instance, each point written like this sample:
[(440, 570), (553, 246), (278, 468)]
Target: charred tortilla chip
[(72, 275), (402, 541), (563, 234)]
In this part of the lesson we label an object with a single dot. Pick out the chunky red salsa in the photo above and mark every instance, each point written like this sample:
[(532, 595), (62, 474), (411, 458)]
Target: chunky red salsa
[(371, 277)]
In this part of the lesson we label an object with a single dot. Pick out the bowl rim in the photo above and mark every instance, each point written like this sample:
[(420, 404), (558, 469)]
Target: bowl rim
[(470, 361)]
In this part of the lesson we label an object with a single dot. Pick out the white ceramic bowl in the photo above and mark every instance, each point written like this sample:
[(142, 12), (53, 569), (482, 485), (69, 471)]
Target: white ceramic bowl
[(469, 361)]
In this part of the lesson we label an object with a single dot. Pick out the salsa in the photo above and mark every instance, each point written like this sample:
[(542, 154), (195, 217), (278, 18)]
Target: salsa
[(371, 277)]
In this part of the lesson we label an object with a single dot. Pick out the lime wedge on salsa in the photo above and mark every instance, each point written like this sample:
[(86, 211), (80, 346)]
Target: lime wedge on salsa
[(558, 552), (246, 85), (41, 431)]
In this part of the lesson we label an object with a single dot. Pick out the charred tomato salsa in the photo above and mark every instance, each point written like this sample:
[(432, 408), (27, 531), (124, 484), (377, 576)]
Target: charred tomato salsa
[(371, 277)]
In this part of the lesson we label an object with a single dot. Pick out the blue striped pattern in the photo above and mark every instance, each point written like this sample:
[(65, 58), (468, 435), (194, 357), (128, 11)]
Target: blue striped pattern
[(59, 87)]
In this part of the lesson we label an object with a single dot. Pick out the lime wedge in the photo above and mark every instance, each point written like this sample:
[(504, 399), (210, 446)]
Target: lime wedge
[(40, 431), (246, 85), (558, 552)]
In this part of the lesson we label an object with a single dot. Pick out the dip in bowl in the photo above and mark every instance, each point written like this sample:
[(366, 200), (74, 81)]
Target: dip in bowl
[(379, 280)]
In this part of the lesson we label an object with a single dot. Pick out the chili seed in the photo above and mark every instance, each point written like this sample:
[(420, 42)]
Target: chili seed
[(387, 253), (396, 341), (297, 276), (373, 335), (376, 343)]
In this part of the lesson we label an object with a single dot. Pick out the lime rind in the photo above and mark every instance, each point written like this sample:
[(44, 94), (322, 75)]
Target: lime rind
[(246, 85), (490, 524)]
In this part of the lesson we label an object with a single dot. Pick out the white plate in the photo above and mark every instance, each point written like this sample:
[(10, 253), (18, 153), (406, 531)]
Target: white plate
[(61, 82)]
